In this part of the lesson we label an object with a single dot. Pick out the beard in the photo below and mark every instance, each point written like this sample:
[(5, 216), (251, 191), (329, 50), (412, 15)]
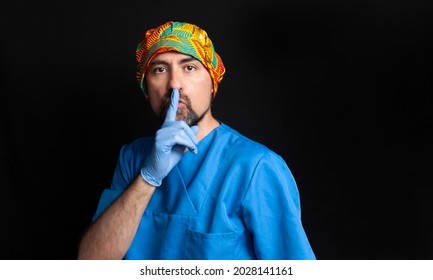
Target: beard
[(187, 114)]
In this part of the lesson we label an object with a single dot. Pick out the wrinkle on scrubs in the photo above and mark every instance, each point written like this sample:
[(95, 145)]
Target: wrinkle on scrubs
[(236, 199)]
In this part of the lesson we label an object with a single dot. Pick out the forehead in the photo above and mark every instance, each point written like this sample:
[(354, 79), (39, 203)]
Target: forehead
[(171, 56)]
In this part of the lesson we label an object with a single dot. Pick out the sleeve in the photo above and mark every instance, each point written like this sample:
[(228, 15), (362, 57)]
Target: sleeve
[(123, 176), (271, 211)]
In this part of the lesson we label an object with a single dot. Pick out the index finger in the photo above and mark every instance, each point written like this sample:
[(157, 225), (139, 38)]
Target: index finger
[(172, 109)]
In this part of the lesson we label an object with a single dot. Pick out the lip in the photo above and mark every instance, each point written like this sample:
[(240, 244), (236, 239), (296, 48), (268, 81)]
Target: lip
[(181, 103)]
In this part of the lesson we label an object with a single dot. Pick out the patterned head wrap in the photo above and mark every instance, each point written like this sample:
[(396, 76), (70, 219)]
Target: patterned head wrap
[(181, 37)]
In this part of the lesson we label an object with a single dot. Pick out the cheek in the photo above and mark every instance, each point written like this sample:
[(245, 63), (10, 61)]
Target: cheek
[(155, 102), (156, 82), (205, 83), (202, 103), (151, 85), (206, 89), (154, 95)]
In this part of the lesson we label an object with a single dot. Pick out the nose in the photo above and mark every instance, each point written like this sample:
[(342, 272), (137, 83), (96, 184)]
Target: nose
[(175, 80)]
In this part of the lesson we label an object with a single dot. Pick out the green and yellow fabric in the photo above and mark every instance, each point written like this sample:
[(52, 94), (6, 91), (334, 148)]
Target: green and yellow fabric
[(181, 37)]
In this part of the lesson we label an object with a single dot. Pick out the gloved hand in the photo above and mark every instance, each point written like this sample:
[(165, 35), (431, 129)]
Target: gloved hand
[(169, 146)]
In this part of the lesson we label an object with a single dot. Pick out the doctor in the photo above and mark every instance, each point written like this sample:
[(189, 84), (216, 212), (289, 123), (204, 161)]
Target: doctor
[(198, 189)]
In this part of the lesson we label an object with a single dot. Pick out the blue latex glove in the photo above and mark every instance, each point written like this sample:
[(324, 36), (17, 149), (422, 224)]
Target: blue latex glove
[(169, 146)]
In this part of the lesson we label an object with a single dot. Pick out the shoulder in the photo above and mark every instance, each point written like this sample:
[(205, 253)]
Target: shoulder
[(241, 143), (139, 147), (261, 165), (139, 143), (130, 160), (245, 149)]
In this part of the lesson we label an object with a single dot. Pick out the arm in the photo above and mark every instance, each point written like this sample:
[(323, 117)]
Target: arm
[(112, 233), (272, 212)]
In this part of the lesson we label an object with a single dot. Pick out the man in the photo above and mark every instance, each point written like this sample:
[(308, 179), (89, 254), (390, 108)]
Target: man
[(198, 189)]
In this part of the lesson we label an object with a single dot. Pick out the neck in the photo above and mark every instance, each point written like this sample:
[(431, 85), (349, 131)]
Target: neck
[(206, 125)]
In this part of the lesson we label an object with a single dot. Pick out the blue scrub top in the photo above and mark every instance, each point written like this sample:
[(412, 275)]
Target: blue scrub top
[(235, 199)]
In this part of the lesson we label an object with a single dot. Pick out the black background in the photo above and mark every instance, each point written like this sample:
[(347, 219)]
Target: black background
[(341, 89)]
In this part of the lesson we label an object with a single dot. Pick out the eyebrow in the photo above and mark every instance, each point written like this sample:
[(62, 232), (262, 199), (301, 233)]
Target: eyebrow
[(182, 61)]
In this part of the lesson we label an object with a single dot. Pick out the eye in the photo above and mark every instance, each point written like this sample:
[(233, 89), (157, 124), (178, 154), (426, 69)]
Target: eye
[(157, 70), (190, 68)]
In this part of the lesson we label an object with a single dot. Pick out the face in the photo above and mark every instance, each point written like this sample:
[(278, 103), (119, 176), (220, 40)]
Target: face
[(171, 70)]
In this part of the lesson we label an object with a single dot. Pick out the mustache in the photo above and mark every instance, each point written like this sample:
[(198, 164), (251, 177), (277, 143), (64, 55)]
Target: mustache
[(165, 102)]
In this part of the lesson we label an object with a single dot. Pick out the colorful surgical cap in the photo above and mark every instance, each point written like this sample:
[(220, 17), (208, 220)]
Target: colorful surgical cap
[(181, 37)]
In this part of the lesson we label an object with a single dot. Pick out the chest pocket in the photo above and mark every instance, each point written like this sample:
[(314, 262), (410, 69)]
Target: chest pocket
[(210, 246)]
